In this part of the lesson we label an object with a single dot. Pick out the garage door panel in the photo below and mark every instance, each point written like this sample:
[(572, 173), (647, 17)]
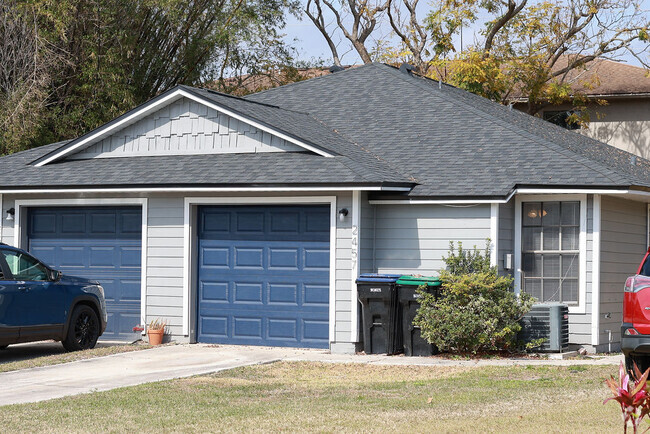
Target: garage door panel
[(99, 243), (264, 280)]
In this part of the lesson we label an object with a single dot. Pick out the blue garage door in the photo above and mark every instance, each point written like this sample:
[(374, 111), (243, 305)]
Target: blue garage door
[(263, 275), (102, 243)]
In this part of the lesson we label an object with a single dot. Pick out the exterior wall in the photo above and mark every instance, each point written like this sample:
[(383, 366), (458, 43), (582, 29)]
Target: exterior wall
[(623, 123), (185, 127), (165, 257), (414, 238), (367, 236), (623, 242), (506, 242)]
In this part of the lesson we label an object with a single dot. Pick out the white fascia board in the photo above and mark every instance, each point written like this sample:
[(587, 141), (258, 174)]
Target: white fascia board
[(150, 108), (198, 189)]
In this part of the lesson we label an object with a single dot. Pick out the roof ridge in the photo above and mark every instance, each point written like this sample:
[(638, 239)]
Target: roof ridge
[(295, 83), (509, 126)]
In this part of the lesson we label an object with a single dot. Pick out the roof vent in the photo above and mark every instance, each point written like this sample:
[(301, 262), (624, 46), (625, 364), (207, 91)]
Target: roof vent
[(633, 160), (406, 68), (336, 68)]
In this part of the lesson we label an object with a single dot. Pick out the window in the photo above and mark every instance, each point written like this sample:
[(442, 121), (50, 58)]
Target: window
[(24, 267), (550, 250), (561, 118)]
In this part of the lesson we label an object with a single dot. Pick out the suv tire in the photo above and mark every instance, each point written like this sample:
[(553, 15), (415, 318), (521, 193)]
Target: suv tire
[(83, 330), (642, 362)]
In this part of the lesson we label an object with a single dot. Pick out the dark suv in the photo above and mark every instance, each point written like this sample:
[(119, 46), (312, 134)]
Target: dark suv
[(38, 303)]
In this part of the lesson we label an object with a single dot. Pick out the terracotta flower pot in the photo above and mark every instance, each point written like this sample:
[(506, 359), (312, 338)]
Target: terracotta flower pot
[(155, 336)]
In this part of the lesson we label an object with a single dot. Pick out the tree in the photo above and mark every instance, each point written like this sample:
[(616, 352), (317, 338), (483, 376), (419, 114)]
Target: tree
[(112, 55), (525, 49)]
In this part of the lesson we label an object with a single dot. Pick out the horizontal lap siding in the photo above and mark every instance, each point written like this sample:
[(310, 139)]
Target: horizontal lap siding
[(366, 236), (414, 238), (506, 242), (623, 237), (343, 284), (165, 261)]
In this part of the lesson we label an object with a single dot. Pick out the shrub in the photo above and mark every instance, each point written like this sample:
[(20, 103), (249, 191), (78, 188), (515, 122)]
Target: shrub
[(476, 310)]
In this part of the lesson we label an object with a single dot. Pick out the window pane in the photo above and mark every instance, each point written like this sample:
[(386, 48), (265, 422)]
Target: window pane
[(570, 236), (533, 287), (570, 291), (551, 290), (532, 238), (552, 238), (570, 265), (550, 213), (531, 214), (552, 266), (23, 267), (571, 213), (532, 265)]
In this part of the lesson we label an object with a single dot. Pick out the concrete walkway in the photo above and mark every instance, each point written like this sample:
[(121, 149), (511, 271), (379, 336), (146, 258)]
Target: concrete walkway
[(176, 361)]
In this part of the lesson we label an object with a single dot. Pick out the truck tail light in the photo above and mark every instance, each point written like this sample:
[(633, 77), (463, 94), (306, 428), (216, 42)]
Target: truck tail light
[(637, 283), (631, 331)]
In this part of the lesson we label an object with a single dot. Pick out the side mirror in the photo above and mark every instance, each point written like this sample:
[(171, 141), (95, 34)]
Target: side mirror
[(54, 275)]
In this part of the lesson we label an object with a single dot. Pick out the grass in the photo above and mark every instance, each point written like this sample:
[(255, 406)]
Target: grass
[(63, 357), (318, 397)]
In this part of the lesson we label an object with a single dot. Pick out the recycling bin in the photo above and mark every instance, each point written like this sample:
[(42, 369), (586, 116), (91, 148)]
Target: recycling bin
[(408, 298), (380, 313)]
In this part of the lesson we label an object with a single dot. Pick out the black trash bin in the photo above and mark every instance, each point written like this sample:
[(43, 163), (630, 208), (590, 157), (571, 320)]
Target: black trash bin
[(379, 312), (414, 343)]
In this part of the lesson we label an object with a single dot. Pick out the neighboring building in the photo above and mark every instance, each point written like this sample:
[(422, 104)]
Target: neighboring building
[(246, 221), (624, 121)]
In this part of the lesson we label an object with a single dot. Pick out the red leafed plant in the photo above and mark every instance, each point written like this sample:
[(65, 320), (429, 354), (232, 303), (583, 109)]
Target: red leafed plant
[(632, 395)]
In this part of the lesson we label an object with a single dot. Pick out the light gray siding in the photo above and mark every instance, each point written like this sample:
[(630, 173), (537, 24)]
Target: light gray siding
[(367, 236), (185, 127), (412, 239), (623, 238), (506, 242)]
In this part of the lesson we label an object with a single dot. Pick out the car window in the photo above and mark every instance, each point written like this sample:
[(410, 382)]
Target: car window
[(24, 267)]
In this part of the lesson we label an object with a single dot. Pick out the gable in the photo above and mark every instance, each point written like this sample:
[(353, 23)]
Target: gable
[(185, 127)]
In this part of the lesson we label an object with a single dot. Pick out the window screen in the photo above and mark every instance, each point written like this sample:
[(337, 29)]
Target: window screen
[(550, 248)]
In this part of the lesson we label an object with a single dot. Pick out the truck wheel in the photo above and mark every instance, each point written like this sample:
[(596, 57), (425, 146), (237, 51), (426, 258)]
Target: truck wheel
[(83, 330), (642, 362)]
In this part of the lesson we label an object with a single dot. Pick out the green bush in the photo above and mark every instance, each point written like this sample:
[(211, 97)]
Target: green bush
[(476, 310)]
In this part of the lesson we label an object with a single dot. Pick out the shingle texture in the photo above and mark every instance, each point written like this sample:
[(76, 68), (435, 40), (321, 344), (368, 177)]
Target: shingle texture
[(382, 127)]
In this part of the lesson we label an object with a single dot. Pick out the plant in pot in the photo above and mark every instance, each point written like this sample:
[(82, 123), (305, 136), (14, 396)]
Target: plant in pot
[(156, 331)]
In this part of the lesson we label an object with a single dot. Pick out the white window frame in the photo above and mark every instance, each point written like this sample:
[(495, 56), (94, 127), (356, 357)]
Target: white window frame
[(19, 235), (189, 279), (581, 307)]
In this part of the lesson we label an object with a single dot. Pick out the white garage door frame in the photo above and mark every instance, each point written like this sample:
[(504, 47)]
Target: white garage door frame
[(189, 242), (20, 207)]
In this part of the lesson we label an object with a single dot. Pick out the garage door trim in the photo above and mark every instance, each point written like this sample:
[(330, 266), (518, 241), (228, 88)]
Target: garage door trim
[(20, 225), (189, 248)]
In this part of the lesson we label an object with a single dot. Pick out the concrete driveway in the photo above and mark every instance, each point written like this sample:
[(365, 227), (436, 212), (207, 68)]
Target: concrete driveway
[(33, 350), (176, 361)]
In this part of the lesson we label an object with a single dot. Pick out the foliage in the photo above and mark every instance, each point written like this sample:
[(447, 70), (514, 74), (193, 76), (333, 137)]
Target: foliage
[(631, 394), (92, 60), (476, 310), (535, 53), (157, 325)]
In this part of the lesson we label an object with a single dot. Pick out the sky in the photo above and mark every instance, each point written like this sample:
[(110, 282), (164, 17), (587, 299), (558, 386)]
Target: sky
[(311, 45)]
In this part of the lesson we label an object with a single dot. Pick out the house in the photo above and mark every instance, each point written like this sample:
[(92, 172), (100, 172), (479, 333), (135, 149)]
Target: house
[(618, 104), (247, 220)]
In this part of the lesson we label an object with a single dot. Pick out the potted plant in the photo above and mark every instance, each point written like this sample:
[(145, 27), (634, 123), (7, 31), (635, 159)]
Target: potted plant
[(156, 331)]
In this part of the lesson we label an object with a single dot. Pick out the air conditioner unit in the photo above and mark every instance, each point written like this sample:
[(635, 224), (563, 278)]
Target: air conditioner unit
[(549, 321)]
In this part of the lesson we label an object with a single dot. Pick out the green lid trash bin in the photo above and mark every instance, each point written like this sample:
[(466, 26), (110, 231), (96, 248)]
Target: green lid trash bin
[(414, 343)]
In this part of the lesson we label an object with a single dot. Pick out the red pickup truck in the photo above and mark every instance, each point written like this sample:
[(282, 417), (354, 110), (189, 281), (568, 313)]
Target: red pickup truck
[(635, 330)]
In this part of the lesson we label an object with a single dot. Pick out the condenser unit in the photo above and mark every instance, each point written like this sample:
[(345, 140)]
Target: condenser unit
[(548, 321)]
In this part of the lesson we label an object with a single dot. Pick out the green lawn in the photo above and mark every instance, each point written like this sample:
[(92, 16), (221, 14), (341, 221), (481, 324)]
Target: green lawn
[(55, 359), (332, 398)]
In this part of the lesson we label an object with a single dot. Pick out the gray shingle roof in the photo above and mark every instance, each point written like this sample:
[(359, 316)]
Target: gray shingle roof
[(384, 127), (452, 142)]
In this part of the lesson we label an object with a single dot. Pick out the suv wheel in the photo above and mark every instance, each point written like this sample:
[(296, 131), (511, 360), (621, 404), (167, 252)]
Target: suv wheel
[(83, 330), (642, 362)]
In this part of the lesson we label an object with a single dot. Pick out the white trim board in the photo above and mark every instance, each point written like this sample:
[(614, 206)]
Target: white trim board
[(188, 262), (163, 189), (355, 254), (494, 234), (149, 108), (581, 308), (143, 202), (595, 273)]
